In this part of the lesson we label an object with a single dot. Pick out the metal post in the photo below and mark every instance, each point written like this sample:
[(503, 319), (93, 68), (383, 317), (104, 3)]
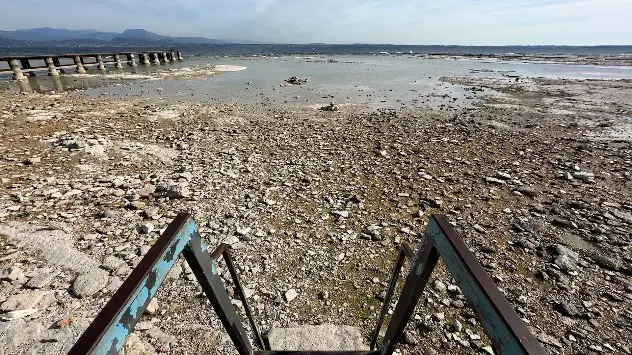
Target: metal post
[(80, 68), (205, 270), (52, 70), (420, 271), (27, 65)]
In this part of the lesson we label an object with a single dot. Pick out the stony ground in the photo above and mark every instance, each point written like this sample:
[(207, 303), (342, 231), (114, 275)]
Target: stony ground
[(314, 204)]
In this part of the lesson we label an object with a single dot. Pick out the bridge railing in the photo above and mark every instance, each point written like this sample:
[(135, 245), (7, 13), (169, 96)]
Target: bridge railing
[(109, 330)]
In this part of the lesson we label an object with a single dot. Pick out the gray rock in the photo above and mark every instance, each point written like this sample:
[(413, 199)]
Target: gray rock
[(11, 274), (409, 338), (325, 337), (567, 309), (173, 190), (152, 307), (584, 176), (89, 283), (42, 279), (566, 259), (495, 181), (550, 340), (118, 266), (290, 295), (25, 300), (607, 262), (146, 228), (161, 336), (134, 345)]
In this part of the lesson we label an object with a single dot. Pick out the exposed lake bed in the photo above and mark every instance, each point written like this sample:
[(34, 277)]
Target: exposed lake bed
[(529, 161)]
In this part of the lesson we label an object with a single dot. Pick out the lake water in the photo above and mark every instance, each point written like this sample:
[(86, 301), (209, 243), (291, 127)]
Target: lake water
[(379, 81)]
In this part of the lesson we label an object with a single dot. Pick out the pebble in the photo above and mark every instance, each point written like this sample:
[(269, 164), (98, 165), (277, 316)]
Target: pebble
[(290, 295), (89, 283)]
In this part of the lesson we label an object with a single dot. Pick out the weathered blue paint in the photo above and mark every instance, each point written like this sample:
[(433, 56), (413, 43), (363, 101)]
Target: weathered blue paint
[(114, 338), (495, 326)]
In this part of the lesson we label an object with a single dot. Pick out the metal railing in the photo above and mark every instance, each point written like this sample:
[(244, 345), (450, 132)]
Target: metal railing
[(107, 333)]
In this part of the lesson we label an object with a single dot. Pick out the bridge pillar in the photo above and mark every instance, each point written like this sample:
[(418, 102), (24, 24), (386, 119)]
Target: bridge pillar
[(144, 58), (180, 56), (164, 58), (52, 70), (27, 65), (118, 64), (80, 68), (156, 59), (17, 70), (100, 64), (131, 60)]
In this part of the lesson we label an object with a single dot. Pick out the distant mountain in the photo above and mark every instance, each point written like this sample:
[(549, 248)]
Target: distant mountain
[(62, 37), (56, 34), (135, 35)]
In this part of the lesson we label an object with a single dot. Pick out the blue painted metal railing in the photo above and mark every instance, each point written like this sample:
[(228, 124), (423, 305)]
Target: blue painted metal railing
[(108, 331)]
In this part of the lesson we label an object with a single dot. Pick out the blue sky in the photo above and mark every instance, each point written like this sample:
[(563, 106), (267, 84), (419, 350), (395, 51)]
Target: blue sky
[(465, 22)]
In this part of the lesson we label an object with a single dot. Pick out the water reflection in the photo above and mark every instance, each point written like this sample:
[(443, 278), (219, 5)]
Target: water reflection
[(43, 83)]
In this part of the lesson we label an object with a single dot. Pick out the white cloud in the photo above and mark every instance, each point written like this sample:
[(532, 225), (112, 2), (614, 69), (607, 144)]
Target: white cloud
[(344, 21)]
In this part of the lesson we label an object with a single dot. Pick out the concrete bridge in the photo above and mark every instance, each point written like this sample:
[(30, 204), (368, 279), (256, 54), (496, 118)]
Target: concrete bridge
[(56, 64)]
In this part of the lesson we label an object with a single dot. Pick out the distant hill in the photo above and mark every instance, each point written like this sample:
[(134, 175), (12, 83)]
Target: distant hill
[(63, 37)]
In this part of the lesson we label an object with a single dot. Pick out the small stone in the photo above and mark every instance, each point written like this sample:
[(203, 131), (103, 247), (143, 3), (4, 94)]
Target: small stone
[(134, 345), (479, 229), (22, 301), (137, 205), (118, 266), (13, 315), (243, 231), (146, 228), (607, 262), (439, 286), (161, 336), (409, 338), (152, 307), (290, 295), (89, 283), (11, 274), (567, 309), (142, 326), (342, 214), (495, 181), (65, 322), (584, 176), (503, 175), (550, 340), (457, 326), (42, 279)]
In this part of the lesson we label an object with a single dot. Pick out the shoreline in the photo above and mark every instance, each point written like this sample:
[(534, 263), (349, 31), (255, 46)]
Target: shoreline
[(535, 177)]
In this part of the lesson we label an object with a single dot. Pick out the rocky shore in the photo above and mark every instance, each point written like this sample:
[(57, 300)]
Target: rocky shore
[(314, 202)]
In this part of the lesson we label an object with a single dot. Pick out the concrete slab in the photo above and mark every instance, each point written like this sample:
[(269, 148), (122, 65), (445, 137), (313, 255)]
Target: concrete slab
[(317, 338)]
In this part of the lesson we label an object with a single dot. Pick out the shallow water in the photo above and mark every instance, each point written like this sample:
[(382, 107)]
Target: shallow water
[(379, 81)]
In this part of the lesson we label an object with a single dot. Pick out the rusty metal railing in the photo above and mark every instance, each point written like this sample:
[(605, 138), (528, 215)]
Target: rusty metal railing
[(508, 333), (108, 331)]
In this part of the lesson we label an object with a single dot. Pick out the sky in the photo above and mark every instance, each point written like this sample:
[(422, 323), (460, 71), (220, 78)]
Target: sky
[(460, 22)]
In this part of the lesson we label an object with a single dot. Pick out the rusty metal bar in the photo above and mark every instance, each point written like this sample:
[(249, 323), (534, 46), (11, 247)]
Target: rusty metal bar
[(108, 331), (240, 291), (508, 333), (205, 270), (272, 352), (420, 271), (404, 252)]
